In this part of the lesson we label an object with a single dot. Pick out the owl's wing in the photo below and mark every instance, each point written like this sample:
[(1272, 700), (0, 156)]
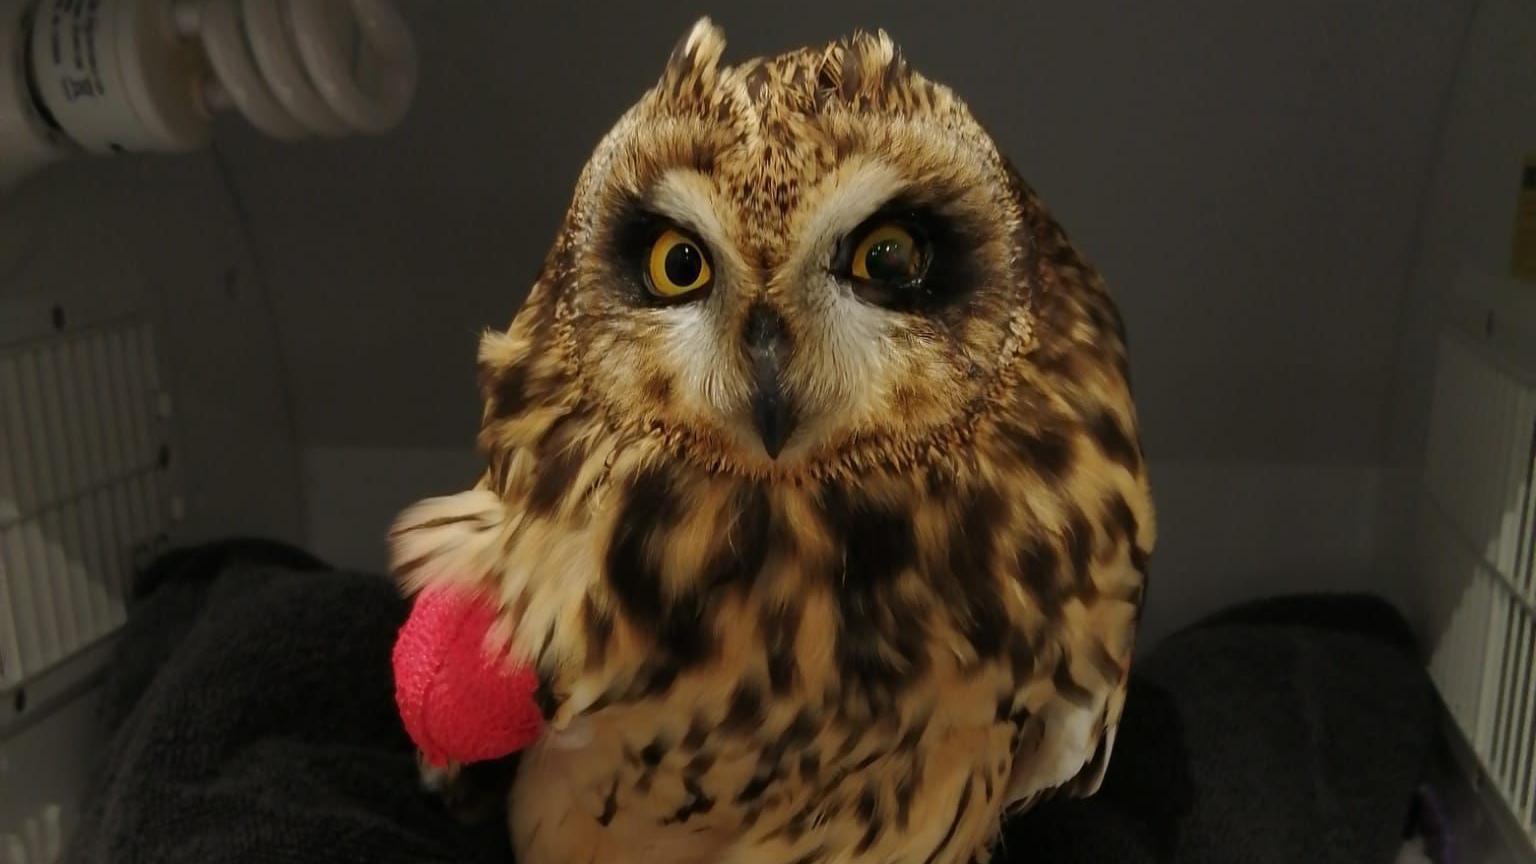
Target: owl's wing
[(543, 576), (1070, 743), (1065, 744), (455, 539)]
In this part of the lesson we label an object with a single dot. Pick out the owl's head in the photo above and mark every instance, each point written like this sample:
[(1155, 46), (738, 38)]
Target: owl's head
[(804, 334), (788, 266)]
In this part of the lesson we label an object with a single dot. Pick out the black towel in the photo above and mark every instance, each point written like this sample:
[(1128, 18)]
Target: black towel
[(253, 721), (1287, 730)]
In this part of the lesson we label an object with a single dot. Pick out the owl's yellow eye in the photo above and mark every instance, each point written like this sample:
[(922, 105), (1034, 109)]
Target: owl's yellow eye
[(676, 265), (888, 253)]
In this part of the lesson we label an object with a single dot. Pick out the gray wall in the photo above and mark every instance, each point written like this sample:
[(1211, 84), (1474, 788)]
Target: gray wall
[(1248, 177)]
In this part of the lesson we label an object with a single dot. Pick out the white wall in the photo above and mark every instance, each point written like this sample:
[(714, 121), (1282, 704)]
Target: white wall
[(162, 237), (355, 493), (1248, 177), (158, 238), (1461, 253), (1460, 278)]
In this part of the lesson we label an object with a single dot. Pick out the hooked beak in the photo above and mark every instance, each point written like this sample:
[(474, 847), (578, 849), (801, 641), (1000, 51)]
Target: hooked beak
[(768, 343)]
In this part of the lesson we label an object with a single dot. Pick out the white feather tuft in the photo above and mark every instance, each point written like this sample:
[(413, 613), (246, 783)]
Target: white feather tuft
[(453, 539)]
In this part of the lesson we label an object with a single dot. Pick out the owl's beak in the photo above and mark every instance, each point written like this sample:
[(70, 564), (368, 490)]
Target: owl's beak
[(768, 345)]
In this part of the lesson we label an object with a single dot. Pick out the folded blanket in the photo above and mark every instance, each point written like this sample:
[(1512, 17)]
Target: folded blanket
[(1284, 731), (255, 722), (252, 720)]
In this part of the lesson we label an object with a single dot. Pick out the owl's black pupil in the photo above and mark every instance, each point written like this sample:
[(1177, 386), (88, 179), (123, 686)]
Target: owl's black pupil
[(888, 261), (683, 264)]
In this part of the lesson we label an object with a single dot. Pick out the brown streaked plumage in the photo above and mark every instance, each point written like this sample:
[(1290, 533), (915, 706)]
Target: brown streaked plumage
[(867, 645)]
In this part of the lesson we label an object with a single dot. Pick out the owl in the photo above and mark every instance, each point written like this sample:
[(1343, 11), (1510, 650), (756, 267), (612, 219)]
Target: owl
[(813, 486)]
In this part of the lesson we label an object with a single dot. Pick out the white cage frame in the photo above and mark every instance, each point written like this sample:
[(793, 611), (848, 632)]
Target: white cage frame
[(1478, 563), (85, 450)]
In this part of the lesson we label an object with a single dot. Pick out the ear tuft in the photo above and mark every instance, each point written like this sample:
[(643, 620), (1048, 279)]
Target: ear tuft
[(864, 68), (695, 62)]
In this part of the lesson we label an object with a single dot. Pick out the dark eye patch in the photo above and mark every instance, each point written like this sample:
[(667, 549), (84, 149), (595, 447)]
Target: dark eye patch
[(948, 272), (626, 250)]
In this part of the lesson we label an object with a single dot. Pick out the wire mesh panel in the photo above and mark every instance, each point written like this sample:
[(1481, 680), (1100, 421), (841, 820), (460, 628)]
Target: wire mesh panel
[(1479, 564), (82, 453)]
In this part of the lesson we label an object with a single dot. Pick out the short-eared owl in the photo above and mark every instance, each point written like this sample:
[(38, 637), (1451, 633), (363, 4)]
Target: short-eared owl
[(813, 485)]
